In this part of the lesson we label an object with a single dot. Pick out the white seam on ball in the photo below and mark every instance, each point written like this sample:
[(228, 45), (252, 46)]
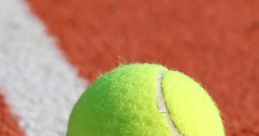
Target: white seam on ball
[(162, 106)]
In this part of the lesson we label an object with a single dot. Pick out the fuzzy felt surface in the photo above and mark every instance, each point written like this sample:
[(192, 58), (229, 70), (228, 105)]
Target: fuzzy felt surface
[(193, 111), (124, 102)]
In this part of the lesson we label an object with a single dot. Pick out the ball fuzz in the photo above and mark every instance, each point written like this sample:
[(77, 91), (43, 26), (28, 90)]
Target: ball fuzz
[(145, 100)]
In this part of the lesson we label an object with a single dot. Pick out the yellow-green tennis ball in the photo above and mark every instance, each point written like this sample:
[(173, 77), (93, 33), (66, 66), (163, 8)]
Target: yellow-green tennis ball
[(145, 100)]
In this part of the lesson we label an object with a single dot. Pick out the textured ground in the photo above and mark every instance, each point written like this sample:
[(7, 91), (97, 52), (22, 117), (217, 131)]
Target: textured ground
[(38, 84), (216, 42), (8, 123)]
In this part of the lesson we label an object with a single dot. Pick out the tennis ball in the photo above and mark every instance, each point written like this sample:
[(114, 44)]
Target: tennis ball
[(145, 100)]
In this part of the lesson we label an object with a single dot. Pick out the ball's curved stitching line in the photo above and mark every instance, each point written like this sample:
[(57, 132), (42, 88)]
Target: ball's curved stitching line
[(162, 106)]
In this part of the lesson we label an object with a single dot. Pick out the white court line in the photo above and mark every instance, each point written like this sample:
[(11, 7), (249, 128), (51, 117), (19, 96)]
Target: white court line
[(39, 84)]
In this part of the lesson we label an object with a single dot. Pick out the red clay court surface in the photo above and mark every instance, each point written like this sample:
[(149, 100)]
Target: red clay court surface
[(216, 42), (8, 124)]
